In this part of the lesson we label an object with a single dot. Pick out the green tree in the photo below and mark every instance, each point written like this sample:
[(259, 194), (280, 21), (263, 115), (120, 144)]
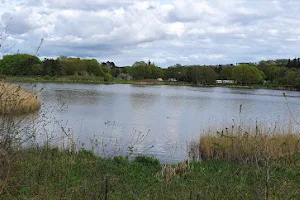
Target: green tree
[(18, 64), (142, 70), (202, 75), (177, 71), (93, 67), (51, 67), (108, 77), (226, 73), (247, 74), (274, 73)]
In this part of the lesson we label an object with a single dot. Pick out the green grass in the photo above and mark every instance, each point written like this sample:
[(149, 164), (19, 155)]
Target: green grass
[(88, 80), (56, 174)]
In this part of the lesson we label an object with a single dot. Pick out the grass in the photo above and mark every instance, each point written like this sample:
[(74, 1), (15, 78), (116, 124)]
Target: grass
[(41, 173), (262, 86), (100, 80), (17, 100), (90, 80)]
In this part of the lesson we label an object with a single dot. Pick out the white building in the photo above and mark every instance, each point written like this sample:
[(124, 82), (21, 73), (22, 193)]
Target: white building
[(225, 81)]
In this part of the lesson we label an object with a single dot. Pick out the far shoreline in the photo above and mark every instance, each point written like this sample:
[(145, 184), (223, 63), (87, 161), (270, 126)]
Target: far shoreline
[(99, 80)]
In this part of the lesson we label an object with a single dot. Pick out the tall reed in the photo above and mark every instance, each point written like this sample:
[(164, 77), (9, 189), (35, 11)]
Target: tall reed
[(252, 146), (17, 100)]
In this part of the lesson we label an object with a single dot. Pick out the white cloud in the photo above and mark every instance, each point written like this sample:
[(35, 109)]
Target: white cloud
[(165, 31)]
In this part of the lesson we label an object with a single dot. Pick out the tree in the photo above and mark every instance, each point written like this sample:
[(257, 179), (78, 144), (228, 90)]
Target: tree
[(93, 67), (142, 70), (177, 71), (108, 77), (18, 64), (226, 73), (247, 74), (274, 73), (202, 75), (51, 67)]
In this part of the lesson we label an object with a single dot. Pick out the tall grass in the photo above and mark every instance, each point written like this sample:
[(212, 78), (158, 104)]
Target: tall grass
[(252, 145), (17, 100)]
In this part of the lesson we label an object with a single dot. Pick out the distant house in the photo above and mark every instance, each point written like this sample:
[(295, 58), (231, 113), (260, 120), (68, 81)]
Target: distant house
[(172, 80), (124, 76), (225, 81), (160, 79)]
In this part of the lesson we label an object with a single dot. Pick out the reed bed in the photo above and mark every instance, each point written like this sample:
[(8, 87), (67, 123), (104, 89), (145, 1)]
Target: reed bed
[(17, 100), (252, 146)]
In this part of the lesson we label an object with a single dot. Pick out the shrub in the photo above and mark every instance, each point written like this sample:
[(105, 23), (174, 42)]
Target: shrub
[(108, 77), (47, 78), (148, 161)]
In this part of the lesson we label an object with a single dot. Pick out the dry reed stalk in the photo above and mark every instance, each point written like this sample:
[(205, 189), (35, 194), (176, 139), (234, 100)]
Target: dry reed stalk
[(252, 146), (17, 100), (170, 171)]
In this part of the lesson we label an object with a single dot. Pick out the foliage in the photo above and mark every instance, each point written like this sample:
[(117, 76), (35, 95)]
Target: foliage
[(28, 65), (142, 70), (108, 77), (177, 71), (226, 73), (275, 73), (202, 75), (19, 64), (151, 162), (247, 74)]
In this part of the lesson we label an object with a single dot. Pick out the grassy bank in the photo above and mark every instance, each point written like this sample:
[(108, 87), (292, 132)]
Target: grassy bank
[(100, 80), (262, 86), (88, 80), (55, 174)]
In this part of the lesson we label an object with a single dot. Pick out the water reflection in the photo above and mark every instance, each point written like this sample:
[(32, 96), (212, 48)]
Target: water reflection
[(69, 96), (142, 101)]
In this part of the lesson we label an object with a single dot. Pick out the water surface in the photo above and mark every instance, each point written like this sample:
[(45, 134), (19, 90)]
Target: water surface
[(159, 120)]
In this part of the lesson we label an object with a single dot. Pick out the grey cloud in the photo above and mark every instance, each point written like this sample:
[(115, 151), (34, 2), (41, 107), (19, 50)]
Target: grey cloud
[(18, 25), (166, 32)]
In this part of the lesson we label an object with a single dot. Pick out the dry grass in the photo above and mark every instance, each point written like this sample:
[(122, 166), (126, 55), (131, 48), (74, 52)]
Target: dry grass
[(251, 146), (17, 100), (169, 171)]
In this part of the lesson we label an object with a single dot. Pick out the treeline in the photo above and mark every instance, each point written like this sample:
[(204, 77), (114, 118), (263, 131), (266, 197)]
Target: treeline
[(281, 72), (28, 65), (284, 72)]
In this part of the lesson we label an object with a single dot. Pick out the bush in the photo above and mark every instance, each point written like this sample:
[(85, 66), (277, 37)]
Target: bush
[(47, 78), (108, 77), (83, 153), (3, 77), (149, 162), (121, 160)]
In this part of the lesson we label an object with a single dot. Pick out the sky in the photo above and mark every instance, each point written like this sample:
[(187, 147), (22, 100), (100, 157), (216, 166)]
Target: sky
[(166, 32)]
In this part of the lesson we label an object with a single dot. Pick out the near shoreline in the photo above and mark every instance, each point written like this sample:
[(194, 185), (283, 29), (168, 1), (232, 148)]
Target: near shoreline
[(50, 173)]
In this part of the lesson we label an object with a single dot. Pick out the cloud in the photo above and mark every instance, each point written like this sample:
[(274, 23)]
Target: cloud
[(165, 31)]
